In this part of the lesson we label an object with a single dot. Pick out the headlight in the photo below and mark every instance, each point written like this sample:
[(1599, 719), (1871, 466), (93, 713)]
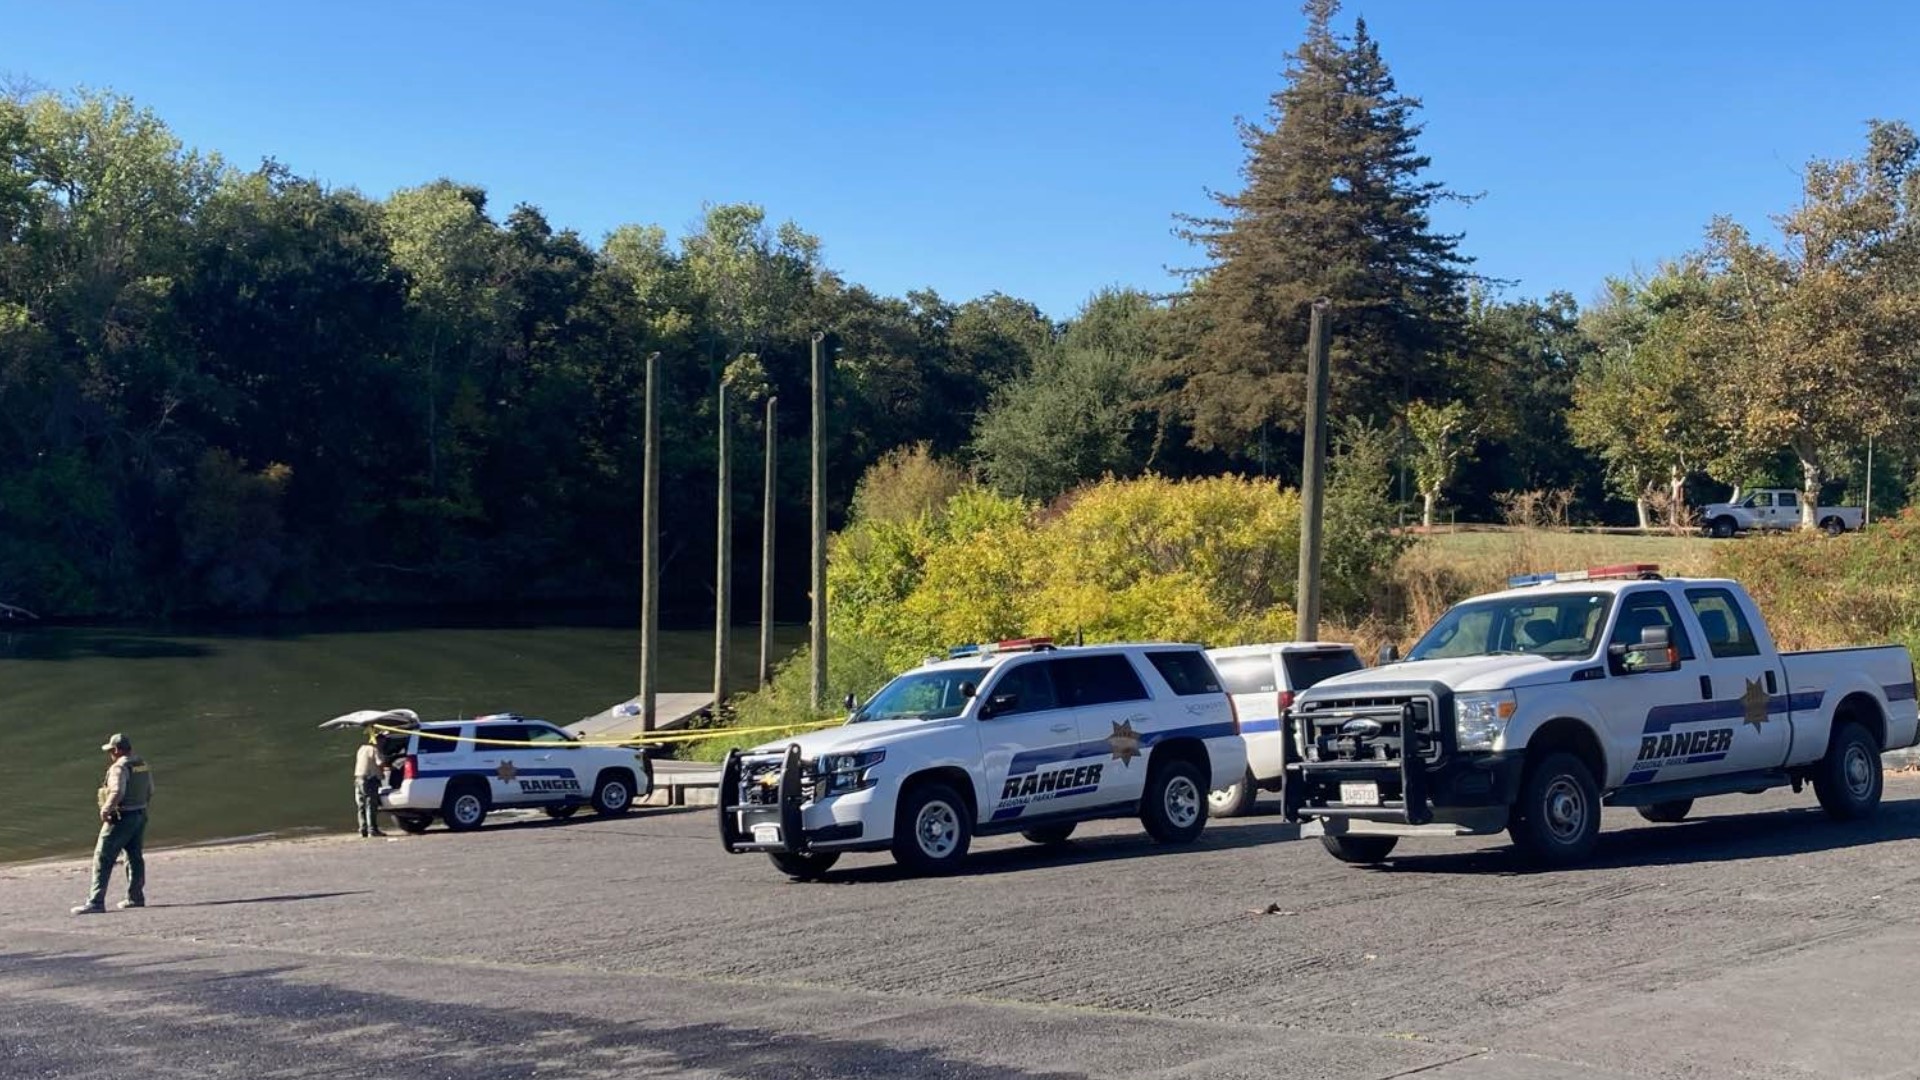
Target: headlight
[(1480, 719), (841, 773)]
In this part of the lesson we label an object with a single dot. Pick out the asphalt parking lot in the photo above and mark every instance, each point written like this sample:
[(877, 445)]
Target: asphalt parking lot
[(1758, 941)]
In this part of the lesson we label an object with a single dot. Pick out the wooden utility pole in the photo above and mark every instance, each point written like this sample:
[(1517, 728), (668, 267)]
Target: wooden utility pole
[(817, 641), (650, 551), (1313, 480), (723, 562), (766, 545)]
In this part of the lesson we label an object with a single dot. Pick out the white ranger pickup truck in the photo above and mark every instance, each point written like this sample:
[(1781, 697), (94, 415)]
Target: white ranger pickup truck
[(1017, 736), (1775, 508), (1529, 709)]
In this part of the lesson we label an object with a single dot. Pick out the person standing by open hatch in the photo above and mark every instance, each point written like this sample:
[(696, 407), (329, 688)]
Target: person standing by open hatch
[(368, 765), (124, 798)]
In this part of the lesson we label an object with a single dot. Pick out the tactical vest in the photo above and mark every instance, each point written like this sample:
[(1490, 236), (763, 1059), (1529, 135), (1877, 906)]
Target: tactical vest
[(139, 785)]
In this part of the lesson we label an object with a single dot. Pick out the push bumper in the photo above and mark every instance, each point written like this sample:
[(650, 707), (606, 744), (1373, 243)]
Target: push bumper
[(763, 807), (1461, 788)]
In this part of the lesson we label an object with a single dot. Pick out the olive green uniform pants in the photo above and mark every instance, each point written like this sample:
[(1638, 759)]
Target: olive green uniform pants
[(126, 834)]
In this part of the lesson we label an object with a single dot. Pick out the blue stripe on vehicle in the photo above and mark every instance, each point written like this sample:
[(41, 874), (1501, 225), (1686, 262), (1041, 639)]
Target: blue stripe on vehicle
[(1008, 813), (1253, 727), (1900, 691), (1641, 776), (436, 774), (1027, 761), (1698, 758), (1665, 717)]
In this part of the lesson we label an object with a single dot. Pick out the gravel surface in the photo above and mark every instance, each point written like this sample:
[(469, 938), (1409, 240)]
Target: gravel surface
[(1758, 941)]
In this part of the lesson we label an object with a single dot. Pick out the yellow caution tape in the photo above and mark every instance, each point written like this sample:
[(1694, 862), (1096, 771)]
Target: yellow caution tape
[(635, 740)]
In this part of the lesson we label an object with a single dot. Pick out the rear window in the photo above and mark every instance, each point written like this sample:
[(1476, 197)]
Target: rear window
[(1304, 669), (1248, 674), (1097, 680), (428, 745), (1186, 671)]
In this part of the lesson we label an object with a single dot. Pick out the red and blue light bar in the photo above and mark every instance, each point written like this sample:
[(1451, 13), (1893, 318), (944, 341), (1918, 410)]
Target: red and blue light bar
[(1615, 572)]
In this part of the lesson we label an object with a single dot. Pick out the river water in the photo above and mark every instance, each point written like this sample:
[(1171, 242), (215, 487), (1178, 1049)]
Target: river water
[(227, 717)]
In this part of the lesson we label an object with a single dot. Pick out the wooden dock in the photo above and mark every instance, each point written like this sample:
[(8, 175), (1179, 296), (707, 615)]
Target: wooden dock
[(670, 711)]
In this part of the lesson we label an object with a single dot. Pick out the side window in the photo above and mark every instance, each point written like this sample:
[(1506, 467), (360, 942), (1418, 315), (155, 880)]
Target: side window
[(1186, 671), (1723, 624), (1647, 609), (1305, 669), (513, 733), (1789, 501), (541, 733), (1759, 499), (1097, 680), (427, 744), (1248, 674), (1031, 685)]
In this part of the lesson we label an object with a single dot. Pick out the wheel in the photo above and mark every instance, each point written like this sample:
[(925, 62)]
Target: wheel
[(1833, 526), (1667, 812), (412, 823), (931, 829), (1557, 820), (1049, 834), (465, 808), (560, 813), (1848, 780), (1234, 799), (1174, 809), (613, 795), (809, 867), (1359, 849), (1720, 528)]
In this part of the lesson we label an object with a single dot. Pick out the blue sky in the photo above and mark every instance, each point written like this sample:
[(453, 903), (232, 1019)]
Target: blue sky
[(1036, 148)]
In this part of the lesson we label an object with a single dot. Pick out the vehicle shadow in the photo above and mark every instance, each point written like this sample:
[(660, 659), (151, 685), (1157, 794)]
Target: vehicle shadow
[(537, 820), (1766, 834), (286, 898), (1083, 852)]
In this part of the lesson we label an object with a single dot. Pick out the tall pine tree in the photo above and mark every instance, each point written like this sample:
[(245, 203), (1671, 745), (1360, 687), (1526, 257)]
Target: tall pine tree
[(1334, 205)]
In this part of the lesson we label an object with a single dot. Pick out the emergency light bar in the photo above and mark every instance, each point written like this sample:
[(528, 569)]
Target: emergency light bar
[(1025, 644), (1644, 571)]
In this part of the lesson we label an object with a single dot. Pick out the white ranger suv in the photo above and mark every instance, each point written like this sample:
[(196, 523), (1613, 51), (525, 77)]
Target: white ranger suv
[(461, 770), (1019, 736), (1263, 680)]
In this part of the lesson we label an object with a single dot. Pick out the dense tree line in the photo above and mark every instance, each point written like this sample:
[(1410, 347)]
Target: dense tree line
[(238, 390)]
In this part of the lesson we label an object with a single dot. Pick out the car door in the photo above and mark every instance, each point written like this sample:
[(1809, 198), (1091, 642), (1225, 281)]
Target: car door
[(1114, 711), (501, 764), (1760, 506), (1786, 510), (1033, 758), (558, 766), (1665, 724), (1750, 685)]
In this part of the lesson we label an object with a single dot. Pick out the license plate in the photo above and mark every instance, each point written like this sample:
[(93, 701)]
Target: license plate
[(1360, 793), (766, 834)]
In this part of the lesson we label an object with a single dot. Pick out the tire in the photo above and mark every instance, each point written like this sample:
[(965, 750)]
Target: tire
[(809, 867), (1666, 813), (1720, 528), (1049, 835), (1234, 800), (613, 794), (1849, 779), (931, 829), (466, 807), (1833, 526), (413, 824), (1174, 809), (1557, 820), (560, 813), (1359, 849)]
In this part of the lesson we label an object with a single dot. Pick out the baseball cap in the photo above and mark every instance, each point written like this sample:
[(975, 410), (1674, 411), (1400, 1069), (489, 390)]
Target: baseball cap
[(118, 742)]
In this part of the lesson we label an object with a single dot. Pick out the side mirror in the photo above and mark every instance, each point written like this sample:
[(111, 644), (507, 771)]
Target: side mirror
[(1653, 653), (967, 689), (1389, 654), (850, 702)]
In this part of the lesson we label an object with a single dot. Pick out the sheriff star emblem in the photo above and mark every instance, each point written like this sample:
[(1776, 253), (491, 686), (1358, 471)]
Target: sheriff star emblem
[(1124, 742), (506, 771), (1755, 702)]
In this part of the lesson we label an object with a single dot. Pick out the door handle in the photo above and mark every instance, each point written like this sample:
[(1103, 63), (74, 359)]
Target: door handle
[(1706, 688), (1062, 728), (1772, 687)]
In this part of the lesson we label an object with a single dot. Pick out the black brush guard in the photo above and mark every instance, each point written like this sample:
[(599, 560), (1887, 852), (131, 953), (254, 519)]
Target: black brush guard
[(1421, 716), (784, 810)]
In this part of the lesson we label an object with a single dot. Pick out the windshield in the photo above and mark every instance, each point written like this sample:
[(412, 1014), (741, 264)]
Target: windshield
[(1562, 626), (922, 695)]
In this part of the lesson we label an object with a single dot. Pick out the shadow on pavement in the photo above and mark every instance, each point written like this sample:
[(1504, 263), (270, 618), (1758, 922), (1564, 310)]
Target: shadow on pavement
[(286, 898), (1726, 838), (1098, 849)]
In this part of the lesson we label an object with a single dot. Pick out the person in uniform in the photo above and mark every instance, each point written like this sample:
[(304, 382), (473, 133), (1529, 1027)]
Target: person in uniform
[(124, 798), (368, 765)]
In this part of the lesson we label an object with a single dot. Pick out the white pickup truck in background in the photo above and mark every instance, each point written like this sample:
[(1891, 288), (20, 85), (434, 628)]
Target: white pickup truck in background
[(1775, 508), (1529, 709)]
